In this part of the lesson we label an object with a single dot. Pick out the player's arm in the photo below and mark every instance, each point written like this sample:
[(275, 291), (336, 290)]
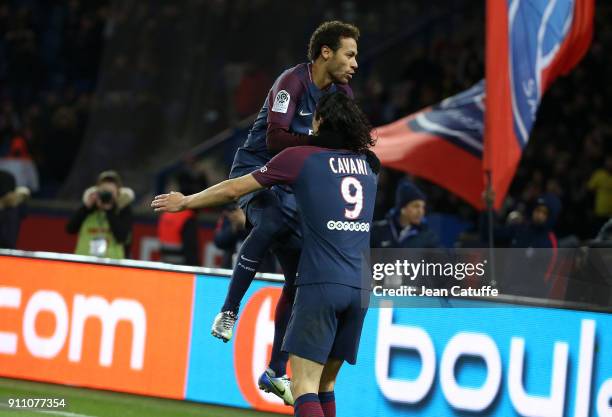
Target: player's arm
[(282, 106), (282, 169), (225, 192)]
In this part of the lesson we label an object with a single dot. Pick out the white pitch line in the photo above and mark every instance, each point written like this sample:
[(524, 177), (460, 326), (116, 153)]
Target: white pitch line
[(52, 412)]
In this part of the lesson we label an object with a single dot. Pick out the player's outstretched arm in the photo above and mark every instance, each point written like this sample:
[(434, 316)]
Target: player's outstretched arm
[(225, 192)]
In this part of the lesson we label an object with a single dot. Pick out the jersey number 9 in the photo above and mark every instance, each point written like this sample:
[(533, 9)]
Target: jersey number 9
[(352, 192)]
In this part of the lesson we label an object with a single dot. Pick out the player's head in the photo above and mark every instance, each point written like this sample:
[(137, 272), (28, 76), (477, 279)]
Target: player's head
[(334, 44), (546, 211), (109, 182), (338, 116), (410, 203)]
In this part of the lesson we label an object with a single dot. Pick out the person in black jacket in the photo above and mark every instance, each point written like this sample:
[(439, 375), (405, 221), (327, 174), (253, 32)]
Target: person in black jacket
[(530, 268), (104, 221), (535, 233), (405, 225), (11, 198)]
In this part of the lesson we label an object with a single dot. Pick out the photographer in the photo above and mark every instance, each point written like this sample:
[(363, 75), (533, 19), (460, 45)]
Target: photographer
[(104, 221)]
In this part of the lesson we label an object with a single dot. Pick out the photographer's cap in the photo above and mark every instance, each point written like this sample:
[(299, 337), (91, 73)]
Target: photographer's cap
[(110, 175)]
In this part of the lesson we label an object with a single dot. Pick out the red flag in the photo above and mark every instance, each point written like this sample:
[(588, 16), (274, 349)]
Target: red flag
[(529, 44), (442, 143)]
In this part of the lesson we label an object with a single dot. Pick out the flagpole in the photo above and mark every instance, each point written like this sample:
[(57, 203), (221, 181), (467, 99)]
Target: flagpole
[(490, 203)]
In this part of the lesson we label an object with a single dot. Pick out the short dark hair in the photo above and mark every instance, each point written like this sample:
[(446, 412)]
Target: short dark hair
[(341, 116), (329, 34)]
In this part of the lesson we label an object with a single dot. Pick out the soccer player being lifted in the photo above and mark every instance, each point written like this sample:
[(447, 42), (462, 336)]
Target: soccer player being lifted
[(284, 120), (334, 183)]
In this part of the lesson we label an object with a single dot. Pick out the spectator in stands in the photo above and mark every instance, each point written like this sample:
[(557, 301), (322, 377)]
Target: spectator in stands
[(14, 149), (11, 198), (601, 184), (405, 225), (529, 272), (178, 232), (537, 233), (104, 221)]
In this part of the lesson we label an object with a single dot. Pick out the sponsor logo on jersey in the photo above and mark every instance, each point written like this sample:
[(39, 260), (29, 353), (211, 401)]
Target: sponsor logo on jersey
[(348, 226)]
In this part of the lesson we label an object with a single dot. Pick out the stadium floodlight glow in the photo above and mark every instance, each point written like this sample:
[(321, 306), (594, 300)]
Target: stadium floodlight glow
[(481, 345)]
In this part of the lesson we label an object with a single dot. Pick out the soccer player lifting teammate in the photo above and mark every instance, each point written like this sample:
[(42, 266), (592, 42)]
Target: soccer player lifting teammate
[(334, 183), (285, 120)]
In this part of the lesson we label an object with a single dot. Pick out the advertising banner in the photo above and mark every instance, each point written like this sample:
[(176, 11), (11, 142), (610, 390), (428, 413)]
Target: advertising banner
[(109, 327), (227, 374), (483, 358), (147, 332)]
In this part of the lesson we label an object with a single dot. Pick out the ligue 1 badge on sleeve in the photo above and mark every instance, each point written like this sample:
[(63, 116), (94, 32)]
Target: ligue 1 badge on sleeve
[(281, 102)]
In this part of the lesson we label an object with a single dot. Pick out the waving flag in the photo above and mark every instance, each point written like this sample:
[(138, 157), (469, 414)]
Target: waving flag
[(442, 143), (529, 44)]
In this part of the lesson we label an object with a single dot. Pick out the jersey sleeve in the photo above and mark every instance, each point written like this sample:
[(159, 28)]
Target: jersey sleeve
[(279, 138), (282, 100), (284, 168)]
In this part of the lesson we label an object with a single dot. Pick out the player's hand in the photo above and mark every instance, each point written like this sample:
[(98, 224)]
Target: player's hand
[(172, 202)]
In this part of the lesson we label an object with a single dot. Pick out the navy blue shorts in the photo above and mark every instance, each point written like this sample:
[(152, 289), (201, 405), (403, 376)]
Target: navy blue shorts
[(326, 322)]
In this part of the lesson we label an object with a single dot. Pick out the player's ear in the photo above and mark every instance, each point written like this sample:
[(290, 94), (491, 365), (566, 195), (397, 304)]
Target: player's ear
[(326, 52)]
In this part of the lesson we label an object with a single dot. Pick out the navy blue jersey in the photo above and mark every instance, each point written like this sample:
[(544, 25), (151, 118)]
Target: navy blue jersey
[(290, 104), (335, 191)]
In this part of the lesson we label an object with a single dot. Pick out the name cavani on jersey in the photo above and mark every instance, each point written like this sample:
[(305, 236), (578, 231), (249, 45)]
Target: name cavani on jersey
[(348, 166)]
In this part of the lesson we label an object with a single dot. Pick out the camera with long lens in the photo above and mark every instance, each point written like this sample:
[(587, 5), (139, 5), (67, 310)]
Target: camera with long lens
[(105, 196)]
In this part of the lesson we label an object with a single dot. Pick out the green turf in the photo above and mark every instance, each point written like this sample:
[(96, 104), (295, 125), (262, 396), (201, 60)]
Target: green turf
[(81, 401)]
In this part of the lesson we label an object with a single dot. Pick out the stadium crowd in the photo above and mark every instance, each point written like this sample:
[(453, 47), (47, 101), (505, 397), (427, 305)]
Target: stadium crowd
[(55, 76)]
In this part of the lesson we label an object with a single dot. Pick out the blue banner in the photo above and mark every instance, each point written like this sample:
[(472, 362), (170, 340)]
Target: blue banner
[(503, 361)]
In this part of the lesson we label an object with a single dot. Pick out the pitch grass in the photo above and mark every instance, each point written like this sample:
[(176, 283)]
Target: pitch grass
[(82, 402)]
